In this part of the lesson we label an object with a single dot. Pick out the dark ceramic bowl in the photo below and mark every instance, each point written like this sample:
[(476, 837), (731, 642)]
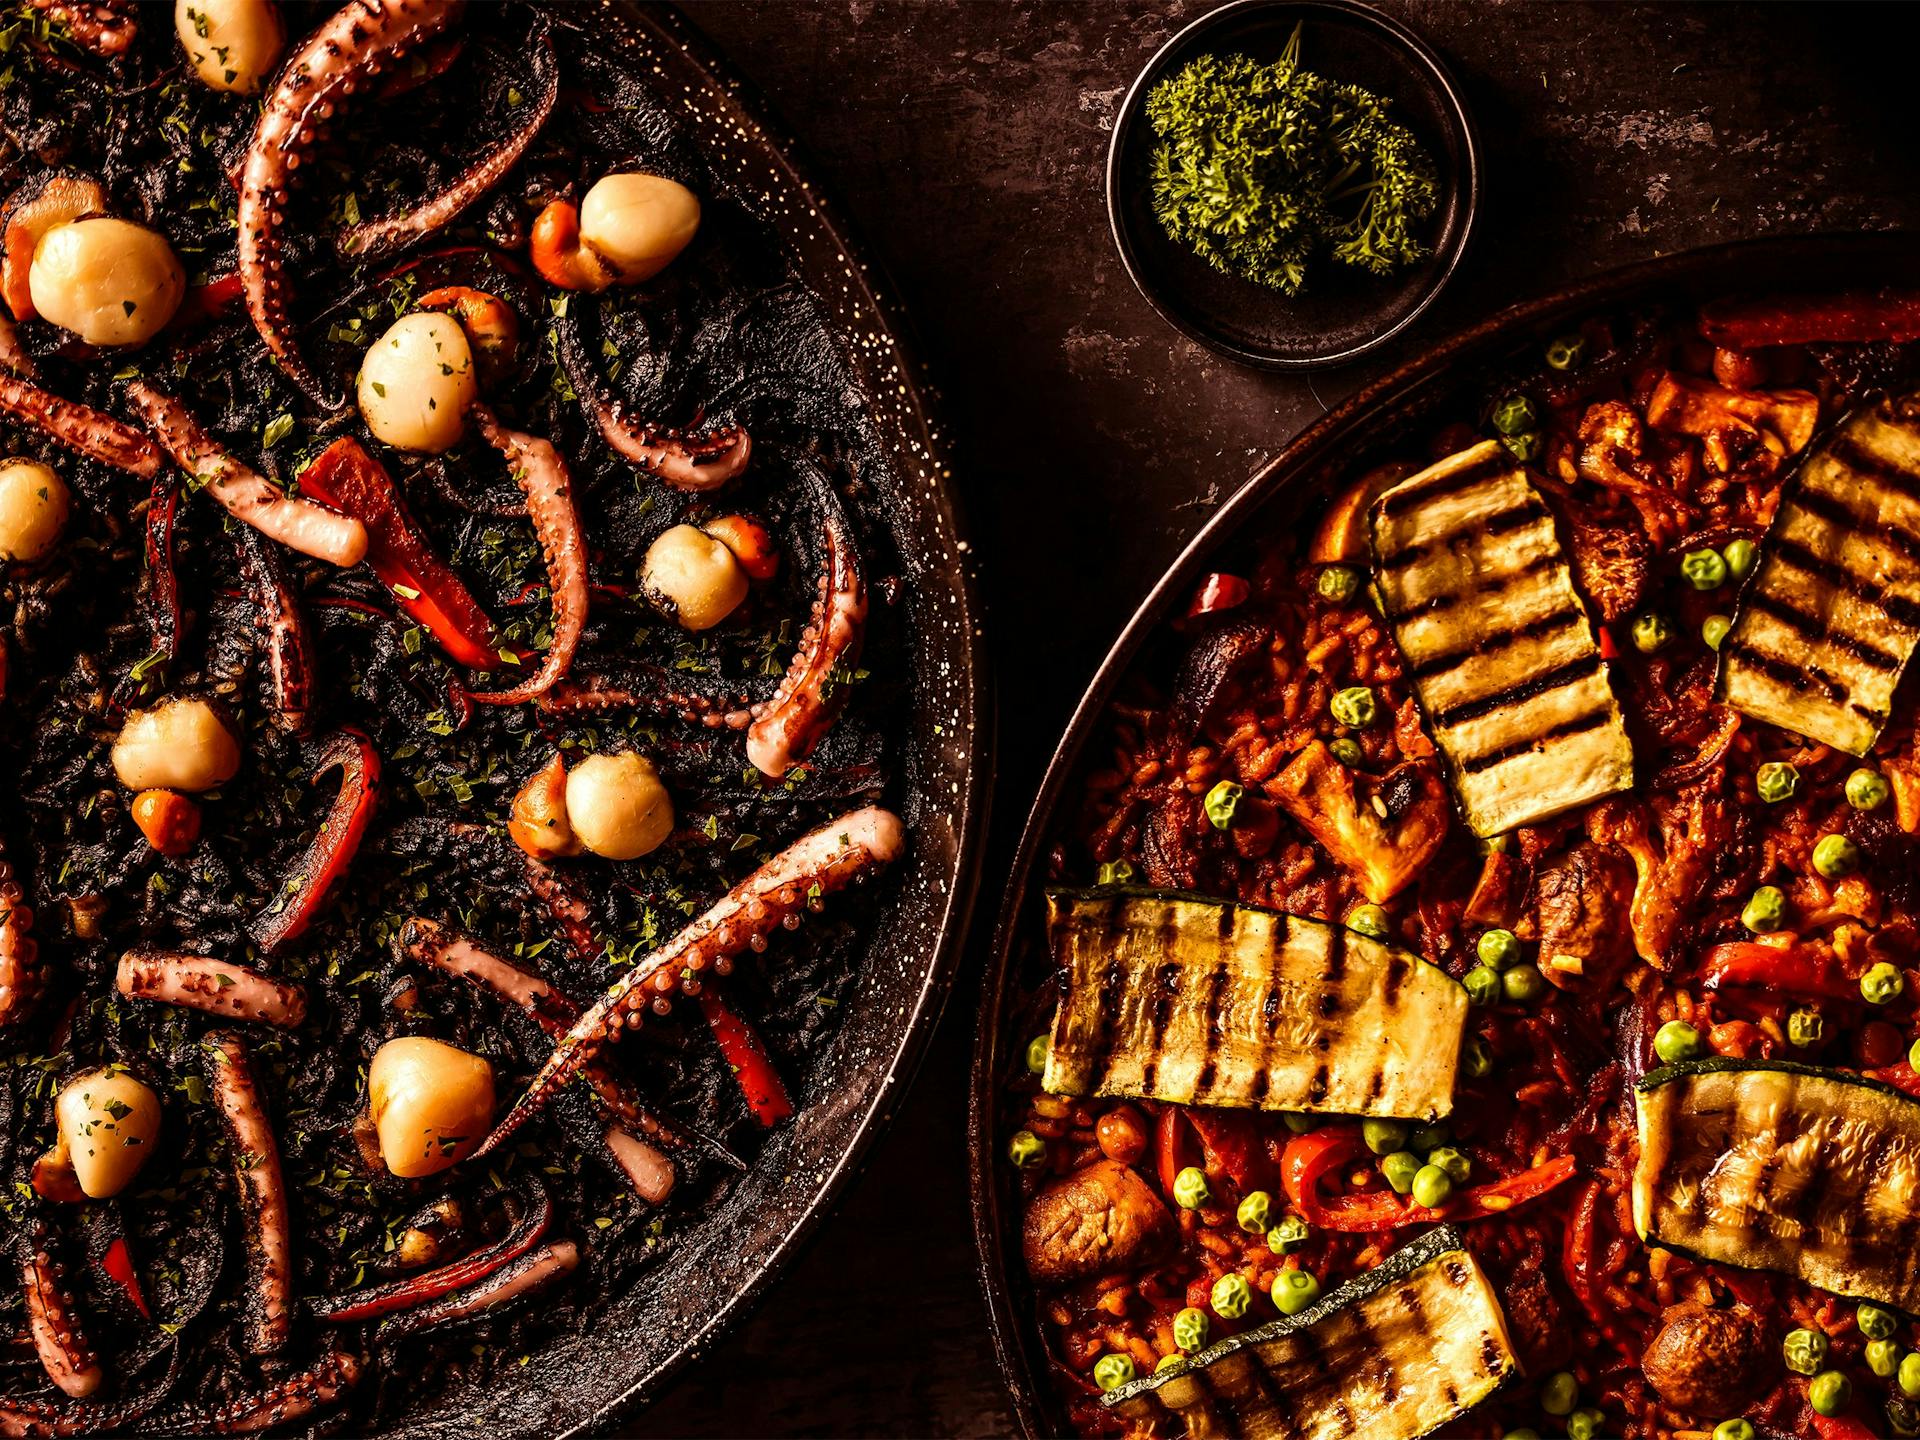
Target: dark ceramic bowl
[(1342, 312), (1285, 492), (719, 1270)]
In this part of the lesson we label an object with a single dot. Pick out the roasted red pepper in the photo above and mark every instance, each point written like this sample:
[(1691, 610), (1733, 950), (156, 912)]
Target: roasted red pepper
[(1309, 1157), (1855, 316), (1218, 592), (1841, 1427), (332, 849), (746, 1052), (208, 302), (346, 477), (117, 1264), (1232, 1146), (1801, 969), (1576, 1261)]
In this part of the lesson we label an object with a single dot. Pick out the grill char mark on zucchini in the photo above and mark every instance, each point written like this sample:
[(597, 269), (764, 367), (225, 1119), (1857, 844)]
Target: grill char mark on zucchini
[(1497, 642), (1830, 619), (1168, 998), (1401, 1352)]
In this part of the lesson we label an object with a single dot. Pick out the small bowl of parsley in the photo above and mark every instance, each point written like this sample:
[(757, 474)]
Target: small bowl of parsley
[(1292, 182)]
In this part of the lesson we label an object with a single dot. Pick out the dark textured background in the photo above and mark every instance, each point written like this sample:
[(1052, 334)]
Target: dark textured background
[(967, 143)]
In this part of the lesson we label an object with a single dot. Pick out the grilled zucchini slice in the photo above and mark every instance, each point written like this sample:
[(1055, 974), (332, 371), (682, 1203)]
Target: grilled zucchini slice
[(1400, 1352), (1771, 1165), (1204, 1002), (1829, 620), (1498, 646)]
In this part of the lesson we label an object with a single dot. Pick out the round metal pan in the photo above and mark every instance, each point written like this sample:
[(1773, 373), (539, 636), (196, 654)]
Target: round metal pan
[(584, 1383), (1286, 489)]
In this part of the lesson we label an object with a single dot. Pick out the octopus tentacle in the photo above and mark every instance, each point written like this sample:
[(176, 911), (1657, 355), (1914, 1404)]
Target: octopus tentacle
[(298, 524), (80, 427), (683, 459), (533, 1271), (262, 1189), (283, 631), (106, 29), (543, 479), (377, 238), (651, 693), (786, 728), (219, 987), (53, 1419), (21, 977), (319, 1387), (348, 49), (819, 863), (53, 1322)]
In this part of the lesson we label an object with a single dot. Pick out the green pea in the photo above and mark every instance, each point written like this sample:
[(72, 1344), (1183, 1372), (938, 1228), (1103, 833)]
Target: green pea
[(1735, 1430), (1883, 1357), (1586, 1424), (1110, 1372), (1909, 1375), (1383, 1137), (1300, 1124), (1339, 583), (1251, 1216), (1347, 752), (1027, 1149), (1559, 1393), (1371, 921), (1432, 1186), (1289, 1235), (1483, 985), (1294, 1291), (1714, 630), (1651, 631), (1190, 1189), (1805, 1351), (1704, 569), (1882, 984), (1037, 1049), (1525, 447), (1457, 1165), (1776, 781), (1523, 984), (1876, 1322), (1476, 1058), (1829, 1392), (1676, 1041), (1428, 1137), (1355, 706), (1170, 1362), (1221, 803), (1498, 949), (1190, 1328), (1566, 352), (1230, 1297), (1867, 789), (1740, 556), (1115, 872), (1766, 912), (1400, 1168), (1515, 414), (1836, 855), (1805, 1028)]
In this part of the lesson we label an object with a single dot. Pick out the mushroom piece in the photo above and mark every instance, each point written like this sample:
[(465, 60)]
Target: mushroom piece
[(430, 1103), (1707, 1362)]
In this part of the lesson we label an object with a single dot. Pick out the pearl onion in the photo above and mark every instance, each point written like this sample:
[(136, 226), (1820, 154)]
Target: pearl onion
[(431, 1104), (636, 223), (417, 382), (108, 1121), (693, 577), (232, 45), (177, 745), (617, 806), (111, 282), (33, 509)]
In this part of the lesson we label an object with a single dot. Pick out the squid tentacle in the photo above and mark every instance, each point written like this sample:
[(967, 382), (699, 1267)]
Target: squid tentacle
[(54, 1323), (219, 987), (319, 1387), (21, 975), (262, 1189), (652, 692), (93, 433), (285, 637)]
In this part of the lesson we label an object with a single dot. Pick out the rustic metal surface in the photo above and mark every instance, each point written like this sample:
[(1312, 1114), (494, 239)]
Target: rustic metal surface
[(967, 141)]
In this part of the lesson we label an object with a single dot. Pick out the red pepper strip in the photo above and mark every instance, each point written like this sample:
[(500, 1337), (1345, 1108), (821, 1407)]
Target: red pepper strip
[(1808, 319), (207, 302), (350, 480), (333, 847), (163, 582), (1901, 1076), (1305, 1163), (418, 1289), (117, 1262), (1171, 1150), (746, 1052), (1840, 1427), (1216, 593), (1232, 1148), (1800, 969), (1576, 1262), (1308, 1157)]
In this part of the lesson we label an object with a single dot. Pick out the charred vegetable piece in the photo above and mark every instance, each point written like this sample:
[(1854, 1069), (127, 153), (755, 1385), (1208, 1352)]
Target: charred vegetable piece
[(1397, 1353), (1772, 1165), (1198, 1001), (1830, 619), (332, 849), (1384, 832), (1497, 643)]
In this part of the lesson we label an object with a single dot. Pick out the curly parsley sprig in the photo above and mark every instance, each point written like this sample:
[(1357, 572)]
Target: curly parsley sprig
[(1260, 167)]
